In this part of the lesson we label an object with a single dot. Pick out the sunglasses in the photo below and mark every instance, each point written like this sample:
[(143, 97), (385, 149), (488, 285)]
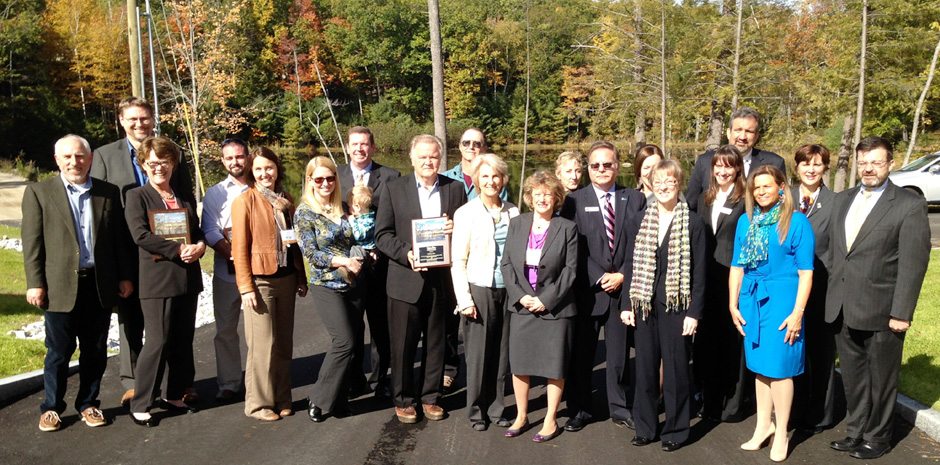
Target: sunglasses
[(321, 179), (471, 143), (607, 166)]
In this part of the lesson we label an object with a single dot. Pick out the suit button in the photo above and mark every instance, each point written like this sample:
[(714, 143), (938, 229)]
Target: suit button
[(542, 266)]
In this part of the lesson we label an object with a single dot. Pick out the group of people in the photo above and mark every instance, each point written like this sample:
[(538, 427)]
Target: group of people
[(734, 296)]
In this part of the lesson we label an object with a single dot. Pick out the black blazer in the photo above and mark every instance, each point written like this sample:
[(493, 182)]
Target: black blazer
[(820, 217), (161, 278), (112, 163), (380, 175), (881, 277), (582, 207), (720, 240), (399, 205), (699, 257), (702, 171), (557, 267), (50, 243)]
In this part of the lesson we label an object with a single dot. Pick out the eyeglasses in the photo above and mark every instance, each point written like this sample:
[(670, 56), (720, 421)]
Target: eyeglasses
[(664, 183), (157, 164), (876, 164), (321, 179), (607, 166), (471, 143)]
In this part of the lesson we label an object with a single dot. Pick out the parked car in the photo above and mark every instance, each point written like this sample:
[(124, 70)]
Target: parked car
[(921, 176)]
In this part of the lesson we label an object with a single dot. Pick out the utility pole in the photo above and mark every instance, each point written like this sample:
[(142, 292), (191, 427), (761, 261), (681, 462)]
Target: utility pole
[(437, 76), (133, 34)]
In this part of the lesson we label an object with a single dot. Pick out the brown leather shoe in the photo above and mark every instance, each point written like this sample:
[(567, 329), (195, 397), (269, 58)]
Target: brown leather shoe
[(406, 414), (265, 414), (433, 412), (126, 398), (49, 421), (94, 417)]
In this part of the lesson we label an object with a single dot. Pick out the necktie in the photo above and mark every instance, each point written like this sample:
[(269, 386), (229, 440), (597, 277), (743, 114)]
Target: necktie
[(360, 178), (855, 218), (609, 222)]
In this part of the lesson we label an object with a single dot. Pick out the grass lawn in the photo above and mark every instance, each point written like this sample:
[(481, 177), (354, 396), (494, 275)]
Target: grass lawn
[(921, 361), (17, 355)]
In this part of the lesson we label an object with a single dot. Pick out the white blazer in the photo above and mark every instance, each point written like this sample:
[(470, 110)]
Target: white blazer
[(473, 248)]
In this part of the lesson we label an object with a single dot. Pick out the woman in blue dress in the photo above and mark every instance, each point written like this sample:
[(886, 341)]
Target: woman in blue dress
[(770, 280)]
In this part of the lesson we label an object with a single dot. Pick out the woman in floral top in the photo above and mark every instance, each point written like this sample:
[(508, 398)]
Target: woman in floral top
[(326, 238)]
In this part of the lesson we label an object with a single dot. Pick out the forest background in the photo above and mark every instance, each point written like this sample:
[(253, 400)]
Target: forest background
[(295, 73)]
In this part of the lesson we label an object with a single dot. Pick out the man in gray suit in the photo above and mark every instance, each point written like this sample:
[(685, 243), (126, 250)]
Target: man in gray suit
[(879, 242), (76, 254), (116, 163)]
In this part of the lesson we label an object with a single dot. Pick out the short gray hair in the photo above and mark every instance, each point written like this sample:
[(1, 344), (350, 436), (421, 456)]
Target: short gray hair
[(425, 139), (493, 161), (81, 140), (746, 112)]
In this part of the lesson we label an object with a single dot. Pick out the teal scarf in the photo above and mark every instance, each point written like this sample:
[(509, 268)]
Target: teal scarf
[(758, 237)]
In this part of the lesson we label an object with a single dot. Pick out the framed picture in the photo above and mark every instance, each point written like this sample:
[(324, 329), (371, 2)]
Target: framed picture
[(172, 225), (430, 246)]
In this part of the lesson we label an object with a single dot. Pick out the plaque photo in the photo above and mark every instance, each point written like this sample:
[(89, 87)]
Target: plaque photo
[(431, 247), (172, 225)]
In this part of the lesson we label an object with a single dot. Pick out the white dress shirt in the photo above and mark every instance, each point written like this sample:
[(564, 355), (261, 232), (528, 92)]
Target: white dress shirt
[(429, 198), (217, 216)]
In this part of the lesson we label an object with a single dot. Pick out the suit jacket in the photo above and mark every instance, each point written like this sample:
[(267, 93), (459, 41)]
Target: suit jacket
[(702, 171), (50, 243), (399, 205), (582, 207), (380, 175), (720, 240), (169, 276), (558, 266), (820, 218), (881, 276), (112, 163), (254, 241)]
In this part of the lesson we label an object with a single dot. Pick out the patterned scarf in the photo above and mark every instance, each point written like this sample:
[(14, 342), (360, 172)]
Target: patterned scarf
[(678, 267), (281, 207), (754, 250)]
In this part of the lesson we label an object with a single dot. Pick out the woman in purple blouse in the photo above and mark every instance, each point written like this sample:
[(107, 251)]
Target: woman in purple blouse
[(539, 266)]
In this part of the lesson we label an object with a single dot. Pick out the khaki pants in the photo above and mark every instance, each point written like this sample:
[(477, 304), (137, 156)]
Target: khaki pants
[(269, 332)]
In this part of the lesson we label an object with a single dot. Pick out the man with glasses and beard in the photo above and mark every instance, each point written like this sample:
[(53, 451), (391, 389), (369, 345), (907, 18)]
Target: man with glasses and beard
[(217, 226)]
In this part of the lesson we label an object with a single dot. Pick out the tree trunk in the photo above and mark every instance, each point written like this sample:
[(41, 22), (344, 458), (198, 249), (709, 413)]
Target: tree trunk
[(437, 71), (639, 129), (525, 127), (735, 72), (860, 105), (133, 30), (715, 123), (845, 154), (920, 105), (662, 78)]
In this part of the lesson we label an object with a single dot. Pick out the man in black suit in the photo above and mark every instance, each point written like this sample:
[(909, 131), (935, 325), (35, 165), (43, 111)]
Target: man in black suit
[(363, 170), (77, 258), (879, 246), (743, 132), (607, 216), (419, 297), (116, 163)]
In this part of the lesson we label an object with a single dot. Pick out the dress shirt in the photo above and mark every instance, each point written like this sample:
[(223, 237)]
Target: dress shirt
[(602, 198), (80, 203), (747, 158), (429, 198), (860, 209), (217, 216), (138, 171), (720, 199), (365, 172)]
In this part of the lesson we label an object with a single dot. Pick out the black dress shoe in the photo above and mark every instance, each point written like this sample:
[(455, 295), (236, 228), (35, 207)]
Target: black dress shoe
[(870, 451), (316, 414), (641, 441), (575, 423), (185, 408), (503, 422), (149, 423), (846, 445), (626, 423), (670, 446), (810, 430)]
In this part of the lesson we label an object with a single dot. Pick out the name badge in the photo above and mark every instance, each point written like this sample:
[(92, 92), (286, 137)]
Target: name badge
[(592, 209), (287, 236), (724, 211), (532, 256)]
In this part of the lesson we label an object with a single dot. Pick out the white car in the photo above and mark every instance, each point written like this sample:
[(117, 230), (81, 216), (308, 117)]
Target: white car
[(921, 176)]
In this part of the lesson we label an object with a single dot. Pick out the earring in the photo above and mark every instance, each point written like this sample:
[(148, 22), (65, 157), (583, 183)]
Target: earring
[(780, 193)]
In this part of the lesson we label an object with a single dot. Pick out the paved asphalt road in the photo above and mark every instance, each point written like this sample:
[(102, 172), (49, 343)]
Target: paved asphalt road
[(223, 435)]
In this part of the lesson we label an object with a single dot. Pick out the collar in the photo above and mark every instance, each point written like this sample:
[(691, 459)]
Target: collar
[(130, 146), (367, 169), (725, 195), (876, 190), (80, 188), (230, 181), (434, 186), (600, 194), (748, 156)]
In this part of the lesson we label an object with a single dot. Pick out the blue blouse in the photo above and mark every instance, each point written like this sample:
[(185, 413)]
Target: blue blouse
[(321, 239)]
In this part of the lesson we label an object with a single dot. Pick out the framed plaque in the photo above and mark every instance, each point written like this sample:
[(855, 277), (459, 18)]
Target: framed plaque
[(172, 225), (430, 246)]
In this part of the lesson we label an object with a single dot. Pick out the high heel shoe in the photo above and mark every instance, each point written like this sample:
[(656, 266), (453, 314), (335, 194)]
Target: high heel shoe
[(751, 445), (148, 422), (778, 456), (513, 432), (185, 408)]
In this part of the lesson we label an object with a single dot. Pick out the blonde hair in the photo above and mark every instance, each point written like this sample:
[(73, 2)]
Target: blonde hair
[(787, 207), (493, 161), (547, 180), (336, 200), (670, 167), (361, 193)]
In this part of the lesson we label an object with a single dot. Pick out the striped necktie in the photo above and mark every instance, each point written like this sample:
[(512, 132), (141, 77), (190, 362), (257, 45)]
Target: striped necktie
[(609, 222)]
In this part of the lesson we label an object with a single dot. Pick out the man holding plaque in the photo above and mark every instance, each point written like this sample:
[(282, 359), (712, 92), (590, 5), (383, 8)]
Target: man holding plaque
[(77, 257), (226, 300), (420, 291)]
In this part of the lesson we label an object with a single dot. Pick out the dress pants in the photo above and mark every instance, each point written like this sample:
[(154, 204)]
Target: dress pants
[(170, 323), (407, 323), (227, 303), (269, 332), (659, 340), (619, 373), (486, 349), (341, 314), (88, 322), (815, 390), (870, 362), (131, 332), (375, 302)]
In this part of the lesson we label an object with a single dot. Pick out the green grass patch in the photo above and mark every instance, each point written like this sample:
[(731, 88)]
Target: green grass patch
[(921, 361), (16, 355), (10, 231)]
